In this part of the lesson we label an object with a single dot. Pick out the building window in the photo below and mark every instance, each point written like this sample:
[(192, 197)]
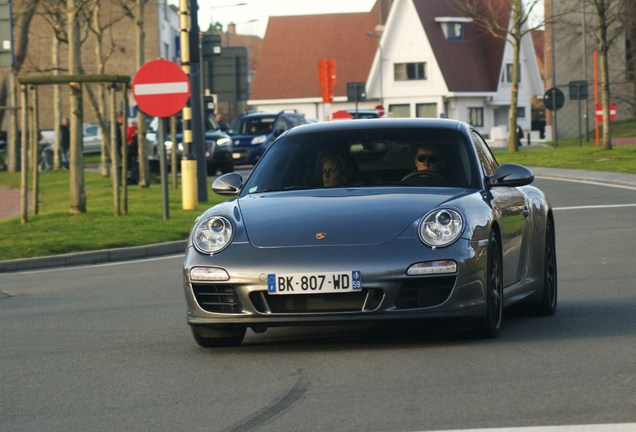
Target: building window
[(521, 112), (476, 116), (508, 74), (426, 110), (409, 71), (455, 31), (453, 27), (400, 110)]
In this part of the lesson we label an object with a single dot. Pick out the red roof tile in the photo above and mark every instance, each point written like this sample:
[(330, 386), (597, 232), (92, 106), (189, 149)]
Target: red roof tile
[(293, 46)]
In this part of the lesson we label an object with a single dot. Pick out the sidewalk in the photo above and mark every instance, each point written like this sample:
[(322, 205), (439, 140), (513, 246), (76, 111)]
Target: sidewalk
[(9, 202), (10, 207)]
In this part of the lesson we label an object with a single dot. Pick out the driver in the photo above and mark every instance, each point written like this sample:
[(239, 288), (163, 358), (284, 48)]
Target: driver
[(429, 158)]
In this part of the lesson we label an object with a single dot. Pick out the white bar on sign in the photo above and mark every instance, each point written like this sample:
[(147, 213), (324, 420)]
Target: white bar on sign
[(161, 88)]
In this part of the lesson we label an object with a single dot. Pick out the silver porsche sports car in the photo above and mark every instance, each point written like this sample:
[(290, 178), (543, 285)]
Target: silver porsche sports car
[(370, 220)]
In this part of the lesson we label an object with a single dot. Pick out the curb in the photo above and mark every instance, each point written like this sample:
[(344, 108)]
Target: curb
[(94, 257)]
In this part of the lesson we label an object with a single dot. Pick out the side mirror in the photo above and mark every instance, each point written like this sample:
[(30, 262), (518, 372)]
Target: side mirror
[(228, 184), (511, 175)]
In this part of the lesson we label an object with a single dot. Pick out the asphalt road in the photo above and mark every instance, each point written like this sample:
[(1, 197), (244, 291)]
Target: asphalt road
[(106, 348)]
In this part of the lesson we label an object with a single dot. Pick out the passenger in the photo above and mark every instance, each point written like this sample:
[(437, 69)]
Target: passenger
[(429, 158), (333, 172)]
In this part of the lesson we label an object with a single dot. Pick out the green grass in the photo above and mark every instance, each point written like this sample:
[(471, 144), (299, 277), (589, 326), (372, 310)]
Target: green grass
[(54, 230), (622, 158)]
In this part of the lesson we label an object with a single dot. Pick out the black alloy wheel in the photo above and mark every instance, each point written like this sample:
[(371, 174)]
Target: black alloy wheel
[(548, 304), (490, 325)]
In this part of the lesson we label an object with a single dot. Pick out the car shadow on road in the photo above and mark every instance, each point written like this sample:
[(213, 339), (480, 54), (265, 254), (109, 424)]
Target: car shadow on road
[(573, 320)]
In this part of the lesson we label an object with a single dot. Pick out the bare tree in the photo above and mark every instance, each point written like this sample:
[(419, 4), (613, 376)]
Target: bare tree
[(607, 28), (105, 47), (76, 160), (508, 20), (629, 24), (137, 14), (22, 23)]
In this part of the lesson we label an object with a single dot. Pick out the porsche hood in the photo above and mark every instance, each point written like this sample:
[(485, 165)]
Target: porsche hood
[(284, 220)]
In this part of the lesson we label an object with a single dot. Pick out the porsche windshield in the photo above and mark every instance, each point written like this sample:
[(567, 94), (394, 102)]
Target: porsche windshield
[(366, 157)]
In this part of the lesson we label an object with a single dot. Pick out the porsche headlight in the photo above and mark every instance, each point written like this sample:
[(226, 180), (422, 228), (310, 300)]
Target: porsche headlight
[(441, 227), (259, 139), (212, 234)]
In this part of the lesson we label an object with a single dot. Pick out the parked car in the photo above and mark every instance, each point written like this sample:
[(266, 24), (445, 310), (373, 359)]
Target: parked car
[(218, 145), (92, 136), (253, 132), (459, 242)]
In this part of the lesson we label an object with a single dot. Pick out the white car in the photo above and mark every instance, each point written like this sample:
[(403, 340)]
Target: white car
[(92, 138)]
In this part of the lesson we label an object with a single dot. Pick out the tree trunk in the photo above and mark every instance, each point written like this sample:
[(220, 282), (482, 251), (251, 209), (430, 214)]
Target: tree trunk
[(144, 174), (57, 103), (23, 23), (603, 48), (76, 159), (515, 34)]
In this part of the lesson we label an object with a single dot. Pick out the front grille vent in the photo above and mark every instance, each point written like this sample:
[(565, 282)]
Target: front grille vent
[(364, 300), (217, 298), (425, 292)]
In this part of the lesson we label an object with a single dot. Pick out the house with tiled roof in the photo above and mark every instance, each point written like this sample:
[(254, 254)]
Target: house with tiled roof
[(430, 61), (288, 73)]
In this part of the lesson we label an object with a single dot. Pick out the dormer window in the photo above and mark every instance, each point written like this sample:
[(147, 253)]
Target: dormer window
[(453, 27)]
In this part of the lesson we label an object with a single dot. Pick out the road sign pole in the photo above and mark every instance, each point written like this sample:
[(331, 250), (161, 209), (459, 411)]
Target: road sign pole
[(162, 170), (161, 88)]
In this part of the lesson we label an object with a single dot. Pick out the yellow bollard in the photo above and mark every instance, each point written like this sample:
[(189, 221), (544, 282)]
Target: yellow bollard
[(189, 191)]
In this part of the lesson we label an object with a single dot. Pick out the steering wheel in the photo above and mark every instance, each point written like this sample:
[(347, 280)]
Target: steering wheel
[(429, 175)]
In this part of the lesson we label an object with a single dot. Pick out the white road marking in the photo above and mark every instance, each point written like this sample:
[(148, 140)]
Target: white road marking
[(615, 427), (590, 182), (603, 206)]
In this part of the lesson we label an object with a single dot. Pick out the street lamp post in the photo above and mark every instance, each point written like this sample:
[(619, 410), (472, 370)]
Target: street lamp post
[(380, 63)]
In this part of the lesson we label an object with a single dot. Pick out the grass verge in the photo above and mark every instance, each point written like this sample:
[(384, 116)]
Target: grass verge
[(54, 230)]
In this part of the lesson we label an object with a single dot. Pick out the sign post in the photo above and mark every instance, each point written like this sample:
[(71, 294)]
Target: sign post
[(161, 89)]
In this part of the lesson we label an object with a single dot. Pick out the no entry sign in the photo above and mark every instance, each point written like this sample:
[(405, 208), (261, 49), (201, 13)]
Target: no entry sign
[(161, 88), (598, 111)]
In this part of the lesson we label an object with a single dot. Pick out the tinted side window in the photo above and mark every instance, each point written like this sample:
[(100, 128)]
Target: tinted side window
[(486, 158)]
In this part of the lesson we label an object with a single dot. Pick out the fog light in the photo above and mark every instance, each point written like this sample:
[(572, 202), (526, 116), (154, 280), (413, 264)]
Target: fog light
[(208, 274), (432, 267)]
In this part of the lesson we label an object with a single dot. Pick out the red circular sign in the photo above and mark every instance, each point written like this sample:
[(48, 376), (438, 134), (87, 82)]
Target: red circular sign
[(598, 111), (380, 110), (161, 88)]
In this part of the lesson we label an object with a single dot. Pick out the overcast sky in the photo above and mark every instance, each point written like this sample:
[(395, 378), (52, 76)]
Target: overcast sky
[(250, 16), (258, 11)]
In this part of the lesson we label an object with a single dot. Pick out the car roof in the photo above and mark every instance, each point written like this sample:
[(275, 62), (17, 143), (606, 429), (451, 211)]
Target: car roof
[(433, 123)]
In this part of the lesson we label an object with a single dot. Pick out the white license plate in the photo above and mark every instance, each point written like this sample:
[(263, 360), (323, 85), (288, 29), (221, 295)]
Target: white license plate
[(236, 155), (314, 283)]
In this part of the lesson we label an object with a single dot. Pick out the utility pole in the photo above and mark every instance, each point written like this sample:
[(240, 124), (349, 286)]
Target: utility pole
[(196, 103), (188, 162)]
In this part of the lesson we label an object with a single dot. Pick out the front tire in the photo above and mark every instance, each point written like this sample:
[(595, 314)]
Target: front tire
[(490, 325), (548, 304), (213, 337)]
